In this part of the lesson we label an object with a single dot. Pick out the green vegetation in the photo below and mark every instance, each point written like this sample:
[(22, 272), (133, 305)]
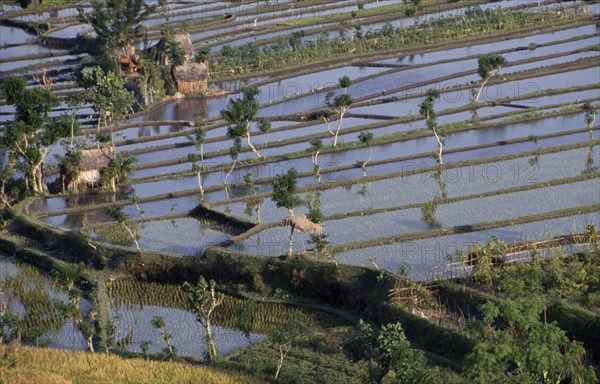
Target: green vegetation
[(487, 64), (476, 22), (223, 284), (203, 299), (238, 115), (31, 365), (119, 28), (32, 133)]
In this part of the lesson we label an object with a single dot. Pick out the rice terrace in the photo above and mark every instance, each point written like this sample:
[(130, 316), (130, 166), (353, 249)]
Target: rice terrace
[(299, 191)]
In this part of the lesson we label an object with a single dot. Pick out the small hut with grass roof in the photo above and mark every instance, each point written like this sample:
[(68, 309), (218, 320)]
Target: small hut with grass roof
[(184, 42), (87, 172), (303, 224), (191, 78)]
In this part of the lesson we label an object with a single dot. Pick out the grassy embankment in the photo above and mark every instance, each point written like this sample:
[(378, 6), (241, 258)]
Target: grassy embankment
[(25, 365)]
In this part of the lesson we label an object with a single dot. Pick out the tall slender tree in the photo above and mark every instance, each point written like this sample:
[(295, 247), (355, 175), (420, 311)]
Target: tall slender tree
[(239, 113), (116, 213), (159, 323), (367, 139), (203, 299), (198, 138), (487, 64), (264, 126), (234, 153), (284, 195), (316, 146), (426, 110), (340, 103)]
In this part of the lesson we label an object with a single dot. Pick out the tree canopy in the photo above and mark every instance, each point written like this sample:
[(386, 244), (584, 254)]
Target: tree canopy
[(284, 190), (33, 131), (118, 24)]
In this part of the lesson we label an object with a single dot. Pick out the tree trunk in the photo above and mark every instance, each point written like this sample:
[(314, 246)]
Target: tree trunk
[(200, 187), (328, 125), (282, 354), (337, 131), (480, 90), (249, 143), (364, 167), (210, 342), (291, 242), (229, 173), (90, 343), (137, 245), (440, 145)]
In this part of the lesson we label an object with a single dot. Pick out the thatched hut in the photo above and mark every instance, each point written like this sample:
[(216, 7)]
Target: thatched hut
[(191, 78), (88, 170), (303, 224), (184, 42)]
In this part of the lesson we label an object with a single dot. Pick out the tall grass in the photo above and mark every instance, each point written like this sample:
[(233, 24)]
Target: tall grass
[(48, 366)]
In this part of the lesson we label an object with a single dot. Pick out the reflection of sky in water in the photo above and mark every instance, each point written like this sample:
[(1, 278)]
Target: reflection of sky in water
[(420, 256)]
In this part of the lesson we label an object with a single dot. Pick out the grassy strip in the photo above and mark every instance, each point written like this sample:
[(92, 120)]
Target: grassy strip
[(386, 13), (463, 229), (282, 74), (73, 246), (35, 56)]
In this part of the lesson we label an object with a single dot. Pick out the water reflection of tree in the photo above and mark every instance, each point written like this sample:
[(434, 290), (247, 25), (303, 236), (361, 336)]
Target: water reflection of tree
[(363, 191), (533, 161), (590, 166), (428, 209), (254, 203)]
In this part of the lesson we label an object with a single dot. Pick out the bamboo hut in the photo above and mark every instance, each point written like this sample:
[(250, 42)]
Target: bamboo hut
[(191, 78), (88, 173)]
